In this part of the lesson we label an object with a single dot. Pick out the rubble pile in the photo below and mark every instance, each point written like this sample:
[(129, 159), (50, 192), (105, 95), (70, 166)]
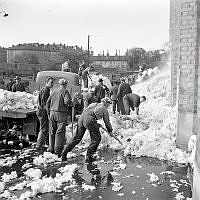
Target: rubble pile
[(16, 100), (147, 73), (153, 132)]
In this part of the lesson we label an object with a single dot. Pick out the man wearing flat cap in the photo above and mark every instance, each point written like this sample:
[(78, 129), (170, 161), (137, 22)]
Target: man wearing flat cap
[(18, 86), (101, 90), (88, 120), (57, 109)]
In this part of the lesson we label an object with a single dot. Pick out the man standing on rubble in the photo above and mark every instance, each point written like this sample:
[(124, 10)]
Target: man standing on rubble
[(57, 110), (88, 120), (132, 101), (124, 88), (41, 112), (85, 76), (101, 90)]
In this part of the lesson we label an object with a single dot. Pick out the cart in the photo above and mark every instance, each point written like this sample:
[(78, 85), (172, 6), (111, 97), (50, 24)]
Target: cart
[(26, 117)]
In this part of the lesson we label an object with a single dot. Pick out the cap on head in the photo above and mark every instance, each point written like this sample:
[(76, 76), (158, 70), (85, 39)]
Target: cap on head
[(62, 81), (106, 100), (100, 80)]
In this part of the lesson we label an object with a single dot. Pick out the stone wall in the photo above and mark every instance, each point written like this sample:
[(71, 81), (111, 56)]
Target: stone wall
[(185, 81)]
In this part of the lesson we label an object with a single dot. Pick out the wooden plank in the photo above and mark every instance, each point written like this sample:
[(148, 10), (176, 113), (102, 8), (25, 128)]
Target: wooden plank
[(18, 113)]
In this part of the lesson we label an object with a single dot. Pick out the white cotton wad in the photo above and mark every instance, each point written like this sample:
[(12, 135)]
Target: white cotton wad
[(17, 100)]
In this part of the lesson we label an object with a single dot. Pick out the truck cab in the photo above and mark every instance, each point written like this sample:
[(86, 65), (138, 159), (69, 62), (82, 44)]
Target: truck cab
[(72, 78)]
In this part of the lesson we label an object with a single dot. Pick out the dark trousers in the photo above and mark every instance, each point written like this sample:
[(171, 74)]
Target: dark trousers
[(85, 82), (121, 106), (115, 106), (43, 136), (57, 126), (86, 121)]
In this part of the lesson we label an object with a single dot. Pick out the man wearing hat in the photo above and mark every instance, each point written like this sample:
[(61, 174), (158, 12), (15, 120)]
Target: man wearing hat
[(88, 120), (57, 110), (124, 88), (101, 90), (18, 86)]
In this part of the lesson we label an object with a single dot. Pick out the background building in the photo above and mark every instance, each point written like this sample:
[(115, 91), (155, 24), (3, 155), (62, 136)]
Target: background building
[(119, 62)]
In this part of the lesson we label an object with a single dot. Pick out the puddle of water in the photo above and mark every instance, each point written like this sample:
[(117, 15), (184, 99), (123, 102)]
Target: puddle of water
[(133, 178)]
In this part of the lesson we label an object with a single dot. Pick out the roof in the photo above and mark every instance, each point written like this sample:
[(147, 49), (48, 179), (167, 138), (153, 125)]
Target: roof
[(32, 48)]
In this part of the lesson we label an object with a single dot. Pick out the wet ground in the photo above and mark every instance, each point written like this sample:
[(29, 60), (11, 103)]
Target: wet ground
[(134, 178)]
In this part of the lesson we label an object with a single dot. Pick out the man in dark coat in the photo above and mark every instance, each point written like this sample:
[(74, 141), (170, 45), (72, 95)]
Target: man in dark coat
[(132, 101), (113, 94), (57, 110), (9, 85), (124, 88), (42, 113), (88, 120), (18, 86), (101, 90)]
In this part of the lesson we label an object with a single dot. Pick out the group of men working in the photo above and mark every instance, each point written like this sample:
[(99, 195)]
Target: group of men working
[(53, 110), (15, 85)]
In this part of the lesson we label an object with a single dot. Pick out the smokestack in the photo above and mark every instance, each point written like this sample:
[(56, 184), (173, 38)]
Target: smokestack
[(103, 52), (116, 52)]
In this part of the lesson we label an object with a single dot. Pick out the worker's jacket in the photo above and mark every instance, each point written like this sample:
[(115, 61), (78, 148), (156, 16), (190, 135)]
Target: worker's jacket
[(18, 87), (113, 92), (85, 74), (100, 92), (59, 100), (42, 100), (89, 98), (43, 96), (9, 86), (133, 100), (124, 88), (100, 111)]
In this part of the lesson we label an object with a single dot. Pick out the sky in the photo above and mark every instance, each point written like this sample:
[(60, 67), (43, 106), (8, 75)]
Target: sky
[(111, 24)]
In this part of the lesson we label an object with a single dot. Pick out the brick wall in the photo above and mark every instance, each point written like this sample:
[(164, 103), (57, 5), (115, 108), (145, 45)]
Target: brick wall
[(185, 27), (175, 45)]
